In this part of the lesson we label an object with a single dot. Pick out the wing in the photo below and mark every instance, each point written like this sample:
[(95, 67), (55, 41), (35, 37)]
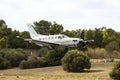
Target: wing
[(88, 41), (44, 43), (85, 43), (38, 42)]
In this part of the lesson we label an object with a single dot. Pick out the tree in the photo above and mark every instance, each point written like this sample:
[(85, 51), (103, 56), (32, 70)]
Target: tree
[(42, 26), (25, 34), (2, 43), (90, 35), (82, 34), (69, 33), (56, 28), (2, 24), (109, 35), (98, 37)]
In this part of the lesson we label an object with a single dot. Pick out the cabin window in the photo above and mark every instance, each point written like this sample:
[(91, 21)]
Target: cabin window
[(59, 37), (63, 36), (55, 37), (52, 37), (48, 37)]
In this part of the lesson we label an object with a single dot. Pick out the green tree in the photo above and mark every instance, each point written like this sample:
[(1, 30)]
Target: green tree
[(42, 26), (2, 23), (56, 28), (109, 35), (82, 34), (98, 37), (71, 33), (90, 35), (2, 43)]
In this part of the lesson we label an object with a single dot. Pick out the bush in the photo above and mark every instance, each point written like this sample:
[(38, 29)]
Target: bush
[(97, 53), (4, 63), (112, 46), (15, 57), (53, 58), (75, 61), (115, 73), (42, 52), (12, 57), (32, 62)]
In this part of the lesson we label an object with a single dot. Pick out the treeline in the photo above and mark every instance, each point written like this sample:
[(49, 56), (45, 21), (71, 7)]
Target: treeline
[(103, 37), (8, 38)]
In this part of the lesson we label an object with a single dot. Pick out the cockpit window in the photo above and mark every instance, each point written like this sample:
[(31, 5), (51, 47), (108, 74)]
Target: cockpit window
[(64, 36)]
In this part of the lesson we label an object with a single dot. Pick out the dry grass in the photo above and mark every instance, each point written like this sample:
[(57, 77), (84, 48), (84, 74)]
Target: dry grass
[(99, 71)]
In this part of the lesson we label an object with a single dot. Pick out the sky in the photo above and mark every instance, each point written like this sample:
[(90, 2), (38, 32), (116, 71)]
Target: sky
[(72, 14)]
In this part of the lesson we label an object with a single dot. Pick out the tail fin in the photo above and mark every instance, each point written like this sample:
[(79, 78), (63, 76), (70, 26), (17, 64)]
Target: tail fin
[(32, 31)]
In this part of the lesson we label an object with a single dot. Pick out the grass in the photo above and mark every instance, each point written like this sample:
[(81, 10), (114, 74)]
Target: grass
[(99, 71)]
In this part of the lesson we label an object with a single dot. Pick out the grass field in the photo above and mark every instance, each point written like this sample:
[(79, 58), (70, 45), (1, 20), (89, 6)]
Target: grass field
[(99, 71)]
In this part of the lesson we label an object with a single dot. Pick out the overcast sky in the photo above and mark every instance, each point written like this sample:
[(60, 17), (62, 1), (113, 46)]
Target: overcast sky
[(72, 14)]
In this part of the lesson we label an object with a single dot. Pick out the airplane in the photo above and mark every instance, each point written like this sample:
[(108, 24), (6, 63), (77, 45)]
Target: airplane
[(49, 40)]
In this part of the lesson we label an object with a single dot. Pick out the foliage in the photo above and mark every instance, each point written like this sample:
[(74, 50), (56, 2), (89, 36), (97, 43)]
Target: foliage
[(75, 61), (32, 62), (113, 46), (2, 43), (4, 63), (97, 53), (56, 28), (42, 26), (11, 57), (115, 73), (98, 37), (42, 52), (53, 58), (101, 53), (15, 57), (102, 36)]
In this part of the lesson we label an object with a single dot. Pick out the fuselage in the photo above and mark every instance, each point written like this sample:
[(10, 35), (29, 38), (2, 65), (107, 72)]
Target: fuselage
[(60, 39)]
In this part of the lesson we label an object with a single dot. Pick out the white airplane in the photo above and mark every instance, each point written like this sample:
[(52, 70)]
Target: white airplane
[(49, 40)]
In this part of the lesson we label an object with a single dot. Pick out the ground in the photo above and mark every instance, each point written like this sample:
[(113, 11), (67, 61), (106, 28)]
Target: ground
[(98, 71)]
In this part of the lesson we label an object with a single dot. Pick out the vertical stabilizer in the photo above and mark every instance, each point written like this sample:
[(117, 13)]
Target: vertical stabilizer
[(32, 30)]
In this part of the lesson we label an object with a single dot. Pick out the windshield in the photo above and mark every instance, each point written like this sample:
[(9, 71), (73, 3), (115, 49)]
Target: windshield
[(64, 36)]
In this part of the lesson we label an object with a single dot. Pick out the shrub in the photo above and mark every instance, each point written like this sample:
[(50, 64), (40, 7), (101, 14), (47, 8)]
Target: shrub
[(13, 56), (115, 73), (112, 46), (32, 62), (97, 53), (42, 52), (53, 58), (4, 63), (75, 61)]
